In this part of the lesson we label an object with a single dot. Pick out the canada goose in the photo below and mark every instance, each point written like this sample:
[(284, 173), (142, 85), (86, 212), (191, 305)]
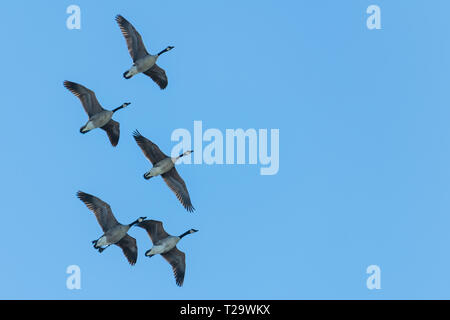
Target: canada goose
[(165, 166), (165, 245), (142, 60), (114, 232), (98, 117)]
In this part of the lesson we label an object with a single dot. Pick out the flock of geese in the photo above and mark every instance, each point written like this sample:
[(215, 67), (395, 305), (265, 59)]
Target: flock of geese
[(162, 165)]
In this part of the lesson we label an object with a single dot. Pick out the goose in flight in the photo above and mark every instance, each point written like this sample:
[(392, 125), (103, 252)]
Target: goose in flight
[(165, 245), (114, 232), (98, 117), (143, 62), (164, 166)]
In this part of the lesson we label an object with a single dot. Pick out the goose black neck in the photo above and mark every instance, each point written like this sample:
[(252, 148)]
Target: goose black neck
[(184, 234), (118, 108), (133, 223), (185, 153), (162, 51)]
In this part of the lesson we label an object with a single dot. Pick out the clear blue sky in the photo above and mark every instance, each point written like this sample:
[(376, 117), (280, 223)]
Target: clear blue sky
[(364, 149)]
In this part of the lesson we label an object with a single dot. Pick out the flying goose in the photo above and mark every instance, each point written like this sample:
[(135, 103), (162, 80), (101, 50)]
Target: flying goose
[(114, 232), (165, 166), (98, 117), (142, 60), (165, 244)]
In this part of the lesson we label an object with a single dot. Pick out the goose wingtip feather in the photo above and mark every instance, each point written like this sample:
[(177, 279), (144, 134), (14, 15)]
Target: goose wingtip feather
[(137, 134), (68, 85), (83, 196), (80, 194)]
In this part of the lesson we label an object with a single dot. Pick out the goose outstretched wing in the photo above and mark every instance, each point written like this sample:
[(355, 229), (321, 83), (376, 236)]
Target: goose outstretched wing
[(151, 150), (154, 229), (134, 40), (177, 260), (86, 96), (129, 248), (158, 75), (112, 129), (177, 185), (101, 209)]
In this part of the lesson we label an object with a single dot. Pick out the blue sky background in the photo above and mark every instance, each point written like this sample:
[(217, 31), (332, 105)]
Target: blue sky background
[(364, 149)]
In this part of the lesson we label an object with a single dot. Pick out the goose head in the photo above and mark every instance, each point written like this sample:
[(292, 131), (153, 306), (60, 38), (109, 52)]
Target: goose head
[(191, 231), (165, 50), (138, 220), (122, 106)]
